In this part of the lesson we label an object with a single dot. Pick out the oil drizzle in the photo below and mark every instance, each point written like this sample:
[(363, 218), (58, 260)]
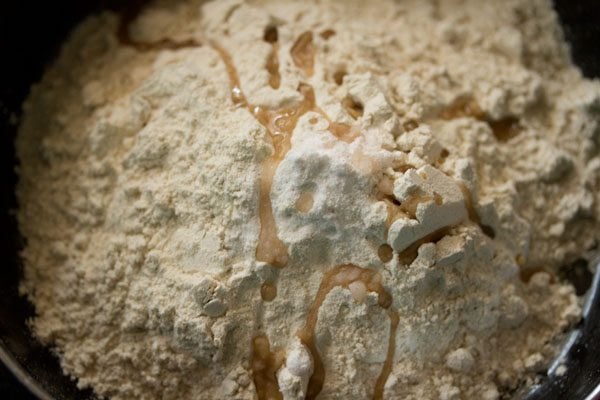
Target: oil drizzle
[(273, 67), (280, 124), (505, 129), (347, 276), (265, 364), (271, 36), (385, 253), (338, 76), (466, 106), (303, 53)]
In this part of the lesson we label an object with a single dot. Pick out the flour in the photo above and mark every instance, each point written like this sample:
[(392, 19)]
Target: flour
[(284, 200)]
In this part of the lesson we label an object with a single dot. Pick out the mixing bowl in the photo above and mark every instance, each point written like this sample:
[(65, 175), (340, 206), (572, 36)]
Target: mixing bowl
[(30, 35)]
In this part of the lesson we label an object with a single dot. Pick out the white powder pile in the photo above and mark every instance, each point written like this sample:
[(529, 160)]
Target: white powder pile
[(290, 200)]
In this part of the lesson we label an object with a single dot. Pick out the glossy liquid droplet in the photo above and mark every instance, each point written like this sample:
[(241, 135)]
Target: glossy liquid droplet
[(463, 106), (270, 248), (268, 292), (385, 253), (338, 77), (273, 67), (327, 33), (342, 131), (271, 35), (505, 129)]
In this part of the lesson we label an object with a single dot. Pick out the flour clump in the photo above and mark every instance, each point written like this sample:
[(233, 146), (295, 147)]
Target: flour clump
[(283, 200)]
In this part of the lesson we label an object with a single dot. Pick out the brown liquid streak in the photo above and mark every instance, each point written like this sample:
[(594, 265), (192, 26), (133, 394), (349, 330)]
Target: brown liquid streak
[(270, 248), (340, 130), (280, 125), (265, 364), (389, 358), (327, 33), (303, 53), (343, 276), (466, 106), (504, 129), (273, 67)]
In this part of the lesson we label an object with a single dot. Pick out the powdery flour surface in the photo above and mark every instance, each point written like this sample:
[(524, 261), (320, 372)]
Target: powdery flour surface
[(290, 200)]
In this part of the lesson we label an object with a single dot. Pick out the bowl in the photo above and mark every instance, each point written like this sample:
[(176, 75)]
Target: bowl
[(30, 35)]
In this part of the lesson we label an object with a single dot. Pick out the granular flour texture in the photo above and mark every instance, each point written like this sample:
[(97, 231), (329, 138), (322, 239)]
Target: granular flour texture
[(309, 200)]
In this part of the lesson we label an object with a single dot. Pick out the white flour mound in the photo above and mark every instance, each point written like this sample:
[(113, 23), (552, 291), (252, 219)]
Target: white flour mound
[(140, 199)]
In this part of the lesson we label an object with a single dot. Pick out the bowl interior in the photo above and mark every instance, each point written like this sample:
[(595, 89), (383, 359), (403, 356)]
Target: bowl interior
[(31, 39)]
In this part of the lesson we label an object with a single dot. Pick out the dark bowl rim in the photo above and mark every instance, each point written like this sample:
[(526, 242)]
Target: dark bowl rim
[(21, 374)]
